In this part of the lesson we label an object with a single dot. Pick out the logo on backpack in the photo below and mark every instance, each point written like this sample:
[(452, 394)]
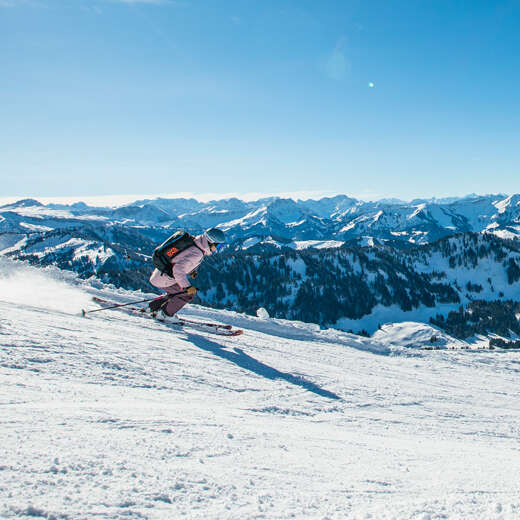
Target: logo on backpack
[(172, 246)]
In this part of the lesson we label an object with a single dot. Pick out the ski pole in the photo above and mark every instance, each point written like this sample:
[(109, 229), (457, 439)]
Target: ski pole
[(129, 303)]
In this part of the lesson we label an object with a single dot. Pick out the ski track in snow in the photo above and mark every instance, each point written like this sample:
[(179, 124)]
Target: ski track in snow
[(115, 416)]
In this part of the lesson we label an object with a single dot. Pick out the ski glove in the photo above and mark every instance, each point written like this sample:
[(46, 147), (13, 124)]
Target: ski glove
[(191, 290)]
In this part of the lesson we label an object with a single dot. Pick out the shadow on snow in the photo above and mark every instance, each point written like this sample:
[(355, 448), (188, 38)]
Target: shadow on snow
[(243, 360)]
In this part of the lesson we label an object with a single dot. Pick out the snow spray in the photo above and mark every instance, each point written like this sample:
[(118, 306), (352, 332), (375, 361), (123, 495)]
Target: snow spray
[(47, 288)]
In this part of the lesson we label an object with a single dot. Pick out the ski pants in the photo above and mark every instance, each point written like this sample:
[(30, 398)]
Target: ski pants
[(172, 304)]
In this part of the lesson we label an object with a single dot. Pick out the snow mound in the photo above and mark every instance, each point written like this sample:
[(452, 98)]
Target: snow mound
[(262, 313), (411, 334)]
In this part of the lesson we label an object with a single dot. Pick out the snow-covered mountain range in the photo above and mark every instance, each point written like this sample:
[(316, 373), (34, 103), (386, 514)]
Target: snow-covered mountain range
[(334, 261), (117, 416), (302, 223)]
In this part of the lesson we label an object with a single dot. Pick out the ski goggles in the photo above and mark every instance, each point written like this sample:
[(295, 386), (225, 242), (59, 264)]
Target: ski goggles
[(219, 246)]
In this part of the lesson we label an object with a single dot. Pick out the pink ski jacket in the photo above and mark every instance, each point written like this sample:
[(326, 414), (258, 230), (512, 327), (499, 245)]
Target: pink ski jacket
[(183, 264)]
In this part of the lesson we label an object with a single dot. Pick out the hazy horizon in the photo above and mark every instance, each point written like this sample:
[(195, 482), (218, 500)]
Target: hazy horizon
[(121, 200)]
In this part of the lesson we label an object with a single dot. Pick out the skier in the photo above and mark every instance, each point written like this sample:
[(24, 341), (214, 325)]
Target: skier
[(184, 264)]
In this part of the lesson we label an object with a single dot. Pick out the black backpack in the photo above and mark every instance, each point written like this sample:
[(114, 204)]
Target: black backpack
[(171, 247)]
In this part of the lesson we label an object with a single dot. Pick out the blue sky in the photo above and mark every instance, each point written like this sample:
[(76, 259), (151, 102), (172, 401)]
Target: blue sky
[(368, 98)]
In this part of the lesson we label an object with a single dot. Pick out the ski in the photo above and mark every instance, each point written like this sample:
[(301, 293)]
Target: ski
[(215, 328)]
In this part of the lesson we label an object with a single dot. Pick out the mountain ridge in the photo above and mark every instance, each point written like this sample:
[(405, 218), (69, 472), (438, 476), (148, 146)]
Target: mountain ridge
[(333, 218)]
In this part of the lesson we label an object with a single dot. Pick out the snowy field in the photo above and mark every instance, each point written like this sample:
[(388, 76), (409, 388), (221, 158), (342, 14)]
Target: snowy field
[(117, 416)]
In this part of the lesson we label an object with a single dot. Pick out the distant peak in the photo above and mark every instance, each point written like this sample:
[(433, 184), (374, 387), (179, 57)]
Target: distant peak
[(26, 203)]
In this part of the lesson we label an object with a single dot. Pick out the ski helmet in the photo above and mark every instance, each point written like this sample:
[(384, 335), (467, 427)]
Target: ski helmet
[(215, 236)]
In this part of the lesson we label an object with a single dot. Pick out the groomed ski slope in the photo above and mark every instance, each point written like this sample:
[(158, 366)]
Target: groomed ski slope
[(116, 416)]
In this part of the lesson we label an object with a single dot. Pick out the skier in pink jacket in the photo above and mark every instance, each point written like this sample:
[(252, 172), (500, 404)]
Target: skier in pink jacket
[(184, 264)]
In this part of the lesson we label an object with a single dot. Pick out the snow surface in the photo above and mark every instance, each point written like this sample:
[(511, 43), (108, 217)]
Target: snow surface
[(43, 212), (250, 242), (317, 244), (116, 416)]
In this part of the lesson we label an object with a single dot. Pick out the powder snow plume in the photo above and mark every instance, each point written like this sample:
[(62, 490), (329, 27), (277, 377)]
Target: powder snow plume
[(46, 288)]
